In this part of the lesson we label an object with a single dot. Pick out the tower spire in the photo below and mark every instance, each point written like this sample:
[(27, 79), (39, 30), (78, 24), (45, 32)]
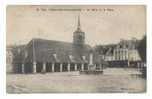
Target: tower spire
[(79, 25), (79, 35)]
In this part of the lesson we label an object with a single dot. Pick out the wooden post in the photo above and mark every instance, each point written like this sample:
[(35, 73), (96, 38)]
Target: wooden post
[(128, 63), (52, 67), (82, 67), (34, 67), (101, 66), (68, 66), (61, 66), (34, 58), (75, 67), (44, 67), (23, 69)]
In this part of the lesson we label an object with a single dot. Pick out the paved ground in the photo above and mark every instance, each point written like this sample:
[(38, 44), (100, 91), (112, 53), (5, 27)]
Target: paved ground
[(113, 80)]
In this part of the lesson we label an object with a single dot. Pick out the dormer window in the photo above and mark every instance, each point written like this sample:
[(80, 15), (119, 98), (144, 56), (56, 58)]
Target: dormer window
[(26, 54), (84, 57), (18, 50), (71, 58), (55, 56)]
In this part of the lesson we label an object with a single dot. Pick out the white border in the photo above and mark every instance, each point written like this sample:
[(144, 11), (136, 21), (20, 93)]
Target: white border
[(3, 5)]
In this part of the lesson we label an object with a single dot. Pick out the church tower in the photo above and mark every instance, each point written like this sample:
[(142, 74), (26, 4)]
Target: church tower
[(79, 35)]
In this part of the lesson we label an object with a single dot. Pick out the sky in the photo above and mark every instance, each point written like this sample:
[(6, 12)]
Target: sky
[(102, 24)]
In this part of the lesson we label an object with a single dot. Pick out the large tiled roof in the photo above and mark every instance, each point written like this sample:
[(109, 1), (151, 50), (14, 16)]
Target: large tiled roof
[(46, 50)]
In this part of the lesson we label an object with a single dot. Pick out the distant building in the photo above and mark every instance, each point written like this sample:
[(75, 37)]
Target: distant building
[(41, 55), (16, 57), (124, 53), (9, 59)]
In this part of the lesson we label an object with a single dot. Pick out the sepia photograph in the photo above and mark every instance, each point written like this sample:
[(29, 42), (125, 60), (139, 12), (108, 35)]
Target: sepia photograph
[(76, 49)]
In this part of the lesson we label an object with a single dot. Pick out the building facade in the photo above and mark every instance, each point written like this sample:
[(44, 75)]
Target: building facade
[(41, 55), (123, 54)]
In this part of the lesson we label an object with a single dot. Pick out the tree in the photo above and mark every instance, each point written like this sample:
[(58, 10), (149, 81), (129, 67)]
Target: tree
[(142, 49)]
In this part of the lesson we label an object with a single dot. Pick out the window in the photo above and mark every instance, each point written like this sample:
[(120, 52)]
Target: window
[(71, 58), (19, 50), (84, 57), (26, 54), (55, 56)]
